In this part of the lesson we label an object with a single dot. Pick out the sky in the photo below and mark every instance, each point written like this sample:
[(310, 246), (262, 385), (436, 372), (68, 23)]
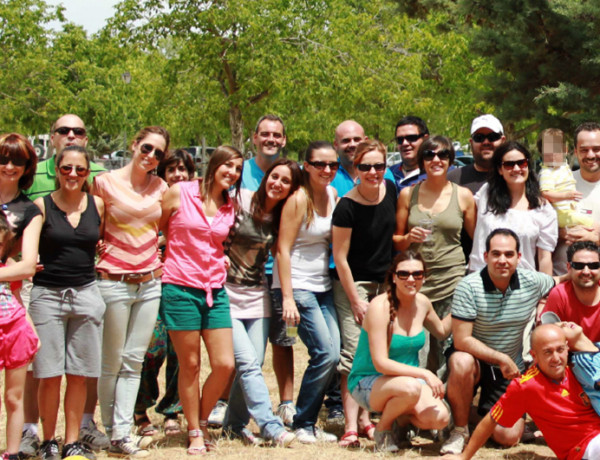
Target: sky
[(91, 14)]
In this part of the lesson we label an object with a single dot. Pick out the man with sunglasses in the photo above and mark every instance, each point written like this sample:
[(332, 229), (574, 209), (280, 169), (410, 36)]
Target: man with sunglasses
[(68, 130), (348, 134), (578, 300), (410, 133), (487, 134), (490, 311)]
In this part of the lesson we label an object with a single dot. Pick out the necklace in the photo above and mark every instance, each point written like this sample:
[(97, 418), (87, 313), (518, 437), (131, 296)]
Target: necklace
[(365, 198)]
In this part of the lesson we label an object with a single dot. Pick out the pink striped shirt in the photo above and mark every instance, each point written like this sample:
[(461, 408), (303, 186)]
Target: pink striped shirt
[(130, 224), (195, 256)]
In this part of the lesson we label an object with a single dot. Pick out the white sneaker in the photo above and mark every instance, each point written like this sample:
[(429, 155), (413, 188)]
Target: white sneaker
[(323, 436), (284, 439), (286, 412), (217, 415), (305, 436), (456, 442)]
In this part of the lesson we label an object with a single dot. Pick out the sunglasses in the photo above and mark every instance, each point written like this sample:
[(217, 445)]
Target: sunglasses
[(146, 149), (321, 165), (480, 137), (582, 265), (81, 171), (366, 167), (404, 275), (429, 155), (15, 160), (511, 164), (409, 138), (65, 130)]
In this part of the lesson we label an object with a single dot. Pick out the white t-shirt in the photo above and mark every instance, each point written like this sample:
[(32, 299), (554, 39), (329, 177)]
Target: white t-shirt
[(536, 228)]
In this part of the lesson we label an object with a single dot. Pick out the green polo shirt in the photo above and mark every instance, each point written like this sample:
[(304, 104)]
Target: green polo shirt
[(44, 180)]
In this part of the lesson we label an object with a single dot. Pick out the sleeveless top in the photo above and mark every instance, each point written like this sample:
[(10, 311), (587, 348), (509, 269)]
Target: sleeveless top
[(310, 253), (403, 349), (66, 252), (195, 255), (444, 257)]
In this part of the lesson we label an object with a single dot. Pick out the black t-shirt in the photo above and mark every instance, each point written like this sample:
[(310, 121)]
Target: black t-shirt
[(20, 212), (469, 177), (370, 252)]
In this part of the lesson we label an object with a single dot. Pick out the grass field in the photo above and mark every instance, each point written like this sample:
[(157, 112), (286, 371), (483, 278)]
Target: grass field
[(174, 447)]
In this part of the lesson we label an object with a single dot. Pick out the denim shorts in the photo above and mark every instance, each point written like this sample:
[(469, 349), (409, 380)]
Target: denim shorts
[(362, 391), (185, 308)]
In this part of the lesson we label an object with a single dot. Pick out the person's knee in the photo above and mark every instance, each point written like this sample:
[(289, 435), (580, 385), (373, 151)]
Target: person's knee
[(462, 365), (13, 399), (224, 367)]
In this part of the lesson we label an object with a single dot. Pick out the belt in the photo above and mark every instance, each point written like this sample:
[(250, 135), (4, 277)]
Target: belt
[(132, 278)]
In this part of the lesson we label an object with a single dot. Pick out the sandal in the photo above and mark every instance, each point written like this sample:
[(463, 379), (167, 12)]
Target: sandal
[(347, 443), (196, 450), (145, 427), (368, 432), (210, 445), (172, 427)]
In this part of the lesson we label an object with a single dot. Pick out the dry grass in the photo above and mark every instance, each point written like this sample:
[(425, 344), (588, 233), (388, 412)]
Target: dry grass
[(174, 448)]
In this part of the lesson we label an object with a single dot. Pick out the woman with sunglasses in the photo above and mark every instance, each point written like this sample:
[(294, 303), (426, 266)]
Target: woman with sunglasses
[(129, 271), (66, 305), (363, 224), (429, 219), (248, 246), (196, 218), (512, 199), (176, 167), (386, 376), (302, 285)]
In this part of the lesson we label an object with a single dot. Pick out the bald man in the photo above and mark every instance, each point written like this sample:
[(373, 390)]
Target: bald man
[(552, 396)]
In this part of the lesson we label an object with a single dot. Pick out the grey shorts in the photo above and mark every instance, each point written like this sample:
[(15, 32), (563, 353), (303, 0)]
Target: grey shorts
[(69, 324)]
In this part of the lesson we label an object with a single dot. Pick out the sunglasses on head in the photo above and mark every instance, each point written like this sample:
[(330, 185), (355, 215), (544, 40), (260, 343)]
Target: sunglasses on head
[(81, 171), (15, 160), (511, 164), (146, 149), (480, 137), (582, 265), (64, 130), (429, 155), (404, 275), (366, 167), (321, 165), (410, 138)]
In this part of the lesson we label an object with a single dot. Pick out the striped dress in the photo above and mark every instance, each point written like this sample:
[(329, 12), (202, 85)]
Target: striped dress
[(131, 224)]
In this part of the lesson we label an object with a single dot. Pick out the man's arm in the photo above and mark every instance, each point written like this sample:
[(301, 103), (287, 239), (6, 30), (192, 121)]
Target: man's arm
[(464, 341), (484, 430), (577, 340)]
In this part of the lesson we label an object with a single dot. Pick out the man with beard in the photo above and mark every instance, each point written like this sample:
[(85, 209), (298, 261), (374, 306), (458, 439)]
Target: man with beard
[(578, 300)]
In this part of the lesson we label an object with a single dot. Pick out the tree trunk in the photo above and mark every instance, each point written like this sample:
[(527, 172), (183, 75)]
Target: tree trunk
[(236, 123)]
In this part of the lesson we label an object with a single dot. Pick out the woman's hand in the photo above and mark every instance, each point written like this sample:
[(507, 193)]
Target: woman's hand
[(290, 312), (418, 235), (359, 309), (436, 385), (100, 247)]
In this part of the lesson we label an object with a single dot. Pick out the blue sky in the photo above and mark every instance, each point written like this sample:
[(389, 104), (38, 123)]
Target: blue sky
[(91, 14)]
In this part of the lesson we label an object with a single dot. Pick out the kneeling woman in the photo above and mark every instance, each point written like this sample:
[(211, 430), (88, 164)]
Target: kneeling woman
[(385, 376)]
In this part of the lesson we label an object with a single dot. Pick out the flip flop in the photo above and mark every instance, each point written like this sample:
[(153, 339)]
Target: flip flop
[(368, 432), (145, 427), (347, 443)]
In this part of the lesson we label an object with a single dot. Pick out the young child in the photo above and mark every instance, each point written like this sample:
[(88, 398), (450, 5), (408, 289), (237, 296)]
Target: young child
[(18, 345), (557, 183)]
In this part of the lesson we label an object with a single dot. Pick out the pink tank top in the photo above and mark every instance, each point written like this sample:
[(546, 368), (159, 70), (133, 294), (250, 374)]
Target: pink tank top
[(195, 256)]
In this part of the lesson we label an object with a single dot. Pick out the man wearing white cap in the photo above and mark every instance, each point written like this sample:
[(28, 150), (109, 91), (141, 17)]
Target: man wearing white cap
[(487, 134)]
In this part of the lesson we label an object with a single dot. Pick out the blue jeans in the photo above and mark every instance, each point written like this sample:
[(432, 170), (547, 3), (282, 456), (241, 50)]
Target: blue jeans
[(131, 311), (319, 331), (249, 393)]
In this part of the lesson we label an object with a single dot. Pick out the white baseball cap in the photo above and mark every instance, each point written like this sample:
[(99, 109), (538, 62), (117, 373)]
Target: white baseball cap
[(487, 121)]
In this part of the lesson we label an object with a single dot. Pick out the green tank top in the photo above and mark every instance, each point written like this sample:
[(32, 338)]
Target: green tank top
[(443, 255)]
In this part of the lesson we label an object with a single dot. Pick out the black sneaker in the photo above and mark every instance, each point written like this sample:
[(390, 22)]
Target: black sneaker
[(49, 450), (7, 456), (77, 448)]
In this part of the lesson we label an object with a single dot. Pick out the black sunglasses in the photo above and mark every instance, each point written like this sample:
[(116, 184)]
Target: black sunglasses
[(523, 163), (404, 275), (81, 171), (410, 138), (582, 265), (480, 137), (64, 130), (366, 167), (321, 165), (147, 149), (15, 160), (429, 155)]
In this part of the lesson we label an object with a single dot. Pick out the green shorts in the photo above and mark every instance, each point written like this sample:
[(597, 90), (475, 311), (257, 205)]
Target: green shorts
[(184, 308)]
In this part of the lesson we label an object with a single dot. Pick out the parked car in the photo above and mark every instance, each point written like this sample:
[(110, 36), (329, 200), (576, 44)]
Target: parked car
[(393, 158)]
